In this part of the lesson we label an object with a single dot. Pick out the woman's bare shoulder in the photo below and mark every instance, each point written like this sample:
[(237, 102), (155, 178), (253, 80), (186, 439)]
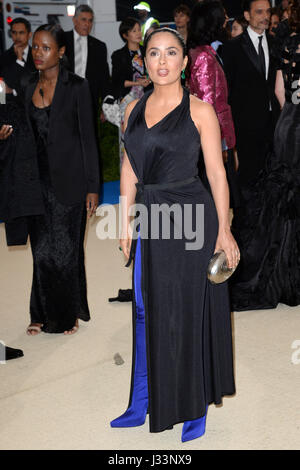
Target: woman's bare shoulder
[(128, 111), (198, 105), (130, 107), (200, 110)]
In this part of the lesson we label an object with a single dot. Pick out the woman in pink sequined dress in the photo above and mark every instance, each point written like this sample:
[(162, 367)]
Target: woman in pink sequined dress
[(207, 79)]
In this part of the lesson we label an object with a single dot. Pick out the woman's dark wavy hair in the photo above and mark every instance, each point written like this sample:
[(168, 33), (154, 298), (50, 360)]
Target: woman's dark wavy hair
[(241, 20), (206, 25), (167, 30), (56, 32), (294, 19)]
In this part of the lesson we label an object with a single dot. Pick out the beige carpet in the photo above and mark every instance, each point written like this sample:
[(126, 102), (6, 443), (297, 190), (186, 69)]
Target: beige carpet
[(65, 390)]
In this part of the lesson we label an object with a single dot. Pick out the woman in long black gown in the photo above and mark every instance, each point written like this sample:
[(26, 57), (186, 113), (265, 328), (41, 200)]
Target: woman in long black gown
[(269, 231), (182, 351), (59, 114)]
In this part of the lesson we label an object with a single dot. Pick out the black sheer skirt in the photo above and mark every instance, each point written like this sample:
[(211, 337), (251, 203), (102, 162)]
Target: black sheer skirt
[(58, 295), (267, 229)]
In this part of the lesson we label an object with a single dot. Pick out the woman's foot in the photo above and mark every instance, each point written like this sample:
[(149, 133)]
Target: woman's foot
[(34, 329), (73, 330), (194, 429)]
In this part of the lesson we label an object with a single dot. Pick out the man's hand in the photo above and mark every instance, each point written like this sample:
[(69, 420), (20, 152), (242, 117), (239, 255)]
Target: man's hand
[(19, 50), (92, 200), (5, 131), (7, 89)]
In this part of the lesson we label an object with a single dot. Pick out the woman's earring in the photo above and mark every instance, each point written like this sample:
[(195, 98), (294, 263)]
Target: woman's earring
[(147, 75), (183, 74)]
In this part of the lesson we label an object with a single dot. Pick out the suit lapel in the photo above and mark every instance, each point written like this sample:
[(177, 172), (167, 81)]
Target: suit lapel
[(89, 60), (29, 62), (29, 91), (250, 50), (271, 59), (218, 57), (70, 51), (58, 99)]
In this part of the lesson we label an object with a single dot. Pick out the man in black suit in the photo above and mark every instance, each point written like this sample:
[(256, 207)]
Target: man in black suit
[(87, 55), (17, 60), (251, 72)]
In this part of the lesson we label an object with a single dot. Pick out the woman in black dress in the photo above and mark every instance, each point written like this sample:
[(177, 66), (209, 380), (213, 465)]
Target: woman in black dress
[(59, 113), (268, 231), (182, 350)]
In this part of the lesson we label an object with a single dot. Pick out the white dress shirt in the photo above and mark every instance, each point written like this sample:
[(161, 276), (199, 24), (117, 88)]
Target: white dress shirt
[(80, 68), (254, 38)]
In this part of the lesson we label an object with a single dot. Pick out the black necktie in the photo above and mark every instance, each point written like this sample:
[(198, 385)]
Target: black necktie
[(261, 56)]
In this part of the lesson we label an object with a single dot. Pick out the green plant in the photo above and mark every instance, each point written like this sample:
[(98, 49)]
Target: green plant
[(109, 146)]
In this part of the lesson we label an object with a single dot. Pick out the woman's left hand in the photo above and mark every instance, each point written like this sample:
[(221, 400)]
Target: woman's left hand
[(91, 203), (227, 243), (143, 81), (5, 131)]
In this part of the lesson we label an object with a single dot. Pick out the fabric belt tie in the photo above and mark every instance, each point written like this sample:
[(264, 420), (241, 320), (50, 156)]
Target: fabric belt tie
[(140, 199)]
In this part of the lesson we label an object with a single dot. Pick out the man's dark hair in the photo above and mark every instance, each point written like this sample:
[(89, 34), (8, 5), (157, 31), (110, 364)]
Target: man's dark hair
[(182, 9), (207, 23), (127, 25), (21, 21), (248, 3), (83, 9)]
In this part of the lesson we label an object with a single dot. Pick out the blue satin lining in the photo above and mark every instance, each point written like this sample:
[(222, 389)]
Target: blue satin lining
[(193, 429), (137, 411), (135, 415)]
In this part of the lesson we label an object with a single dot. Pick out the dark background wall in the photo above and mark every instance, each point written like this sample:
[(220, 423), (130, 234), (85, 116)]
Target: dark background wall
[(163, 9)]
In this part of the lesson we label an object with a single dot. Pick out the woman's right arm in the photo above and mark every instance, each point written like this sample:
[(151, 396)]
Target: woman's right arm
[(128, 192), (279, 88)]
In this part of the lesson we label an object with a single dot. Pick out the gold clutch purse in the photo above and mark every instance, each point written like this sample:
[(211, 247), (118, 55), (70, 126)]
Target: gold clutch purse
[(218, 271)]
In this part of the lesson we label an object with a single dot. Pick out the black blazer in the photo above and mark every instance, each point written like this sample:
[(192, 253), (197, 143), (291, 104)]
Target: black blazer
[(97, 71), (72, 146), (20, 188), (121, 71), (12, 71), (250, 94)]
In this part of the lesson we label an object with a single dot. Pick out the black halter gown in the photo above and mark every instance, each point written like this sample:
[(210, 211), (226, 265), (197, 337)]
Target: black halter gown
[(188, 343)]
